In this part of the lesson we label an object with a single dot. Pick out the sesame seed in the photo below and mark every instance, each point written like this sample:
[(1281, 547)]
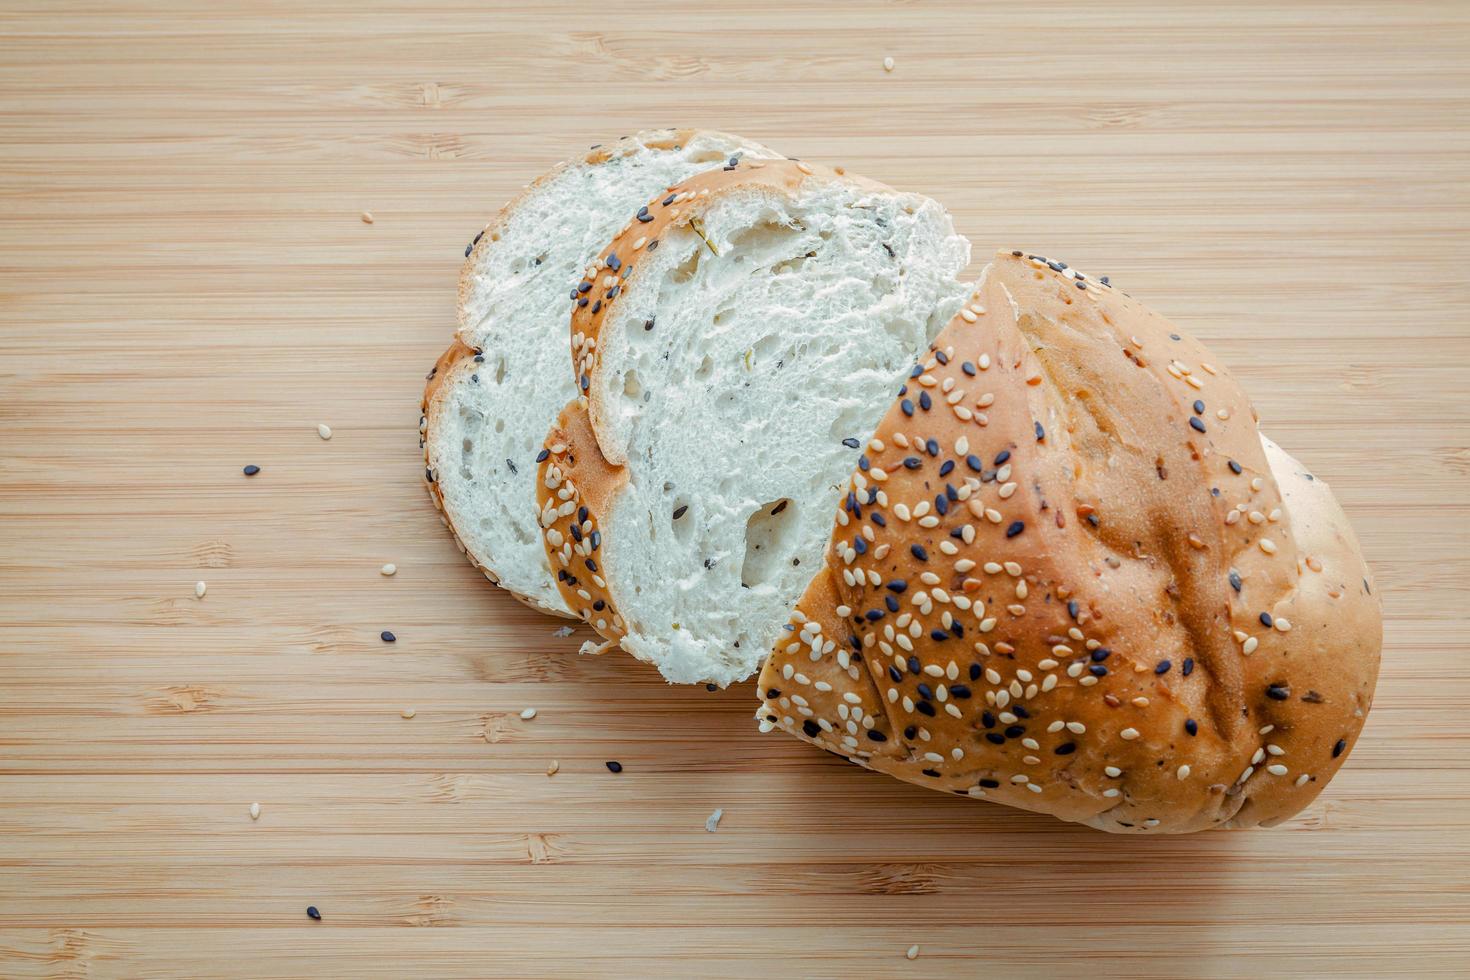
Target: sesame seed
[(1128, 734), (712, 822), (1182, 772), (389, 569), (553, 767), (1338, 748), (913, 951), (312, 913), (614, 766), (387, 637), (408, 712), (251, 470), (255, 811), (199, 589), (528, 713)]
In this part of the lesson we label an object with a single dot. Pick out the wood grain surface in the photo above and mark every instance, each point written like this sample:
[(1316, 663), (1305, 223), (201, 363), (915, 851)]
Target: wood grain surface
[(187, 286)]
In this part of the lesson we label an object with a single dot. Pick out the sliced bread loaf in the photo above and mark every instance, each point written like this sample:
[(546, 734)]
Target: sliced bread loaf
[(496, 391), (736, 344)]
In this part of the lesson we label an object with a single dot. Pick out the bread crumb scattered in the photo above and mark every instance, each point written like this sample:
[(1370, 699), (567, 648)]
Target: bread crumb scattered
[(389, 569), (527, 714), (367, 217), (888, 66), (564, 631), (408, 712), (913, 952), (712, 822), (324, 430), (199, 589), (551, 769), (255, 811)]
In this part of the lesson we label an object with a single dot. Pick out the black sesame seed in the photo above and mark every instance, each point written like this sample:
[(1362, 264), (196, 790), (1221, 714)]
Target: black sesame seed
[(1187, 667), (1072, 608), (1101, 654), (863, 463), (1066, 748), (1163, 666), (934, 773), (596, 537), (1015, 731), (989, 784), (1278, 692), (648, 324), (1191, 726), (974, 463), (938, 636), (679, 511), (860, 545), (613, 262), (873, 615), (1098, 670), (542, 455), (252, 469), (925, 402), (1235, 580), (1196, 424), (974, 672), (669, 200), (1266, 620), (960, 691), (914, 666), (1016, 528), (1040, 433), (879, 520), (925, 708), (910, 731), (918, 552), (968, 368), (987, 719), (946, 467), (811, 728), (851, 443), (645, 218), (1174, 336), (891, 602), (925, 691), (995, 738), (897, 585), (941, 357), (877, 736), (612, 764), (895, 673), (941, 504), (387, 637), (907, 406), (912, 462), (591, 565), (1235, 467), (1199, 407), (311, 910), (1339, 748)]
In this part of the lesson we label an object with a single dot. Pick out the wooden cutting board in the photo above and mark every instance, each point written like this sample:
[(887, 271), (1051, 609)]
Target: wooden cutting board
[(187, 286)]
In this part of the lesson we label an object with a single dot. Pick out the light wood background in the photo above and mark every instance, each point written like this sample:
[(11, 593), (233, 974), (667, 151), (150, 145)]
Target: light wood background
[(186, 287)]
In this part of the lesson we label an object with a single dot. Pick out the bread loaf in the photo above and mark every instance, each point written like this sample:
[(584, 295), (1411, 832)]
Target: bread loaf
[(744, 332), (497, 389), (1070, 575)]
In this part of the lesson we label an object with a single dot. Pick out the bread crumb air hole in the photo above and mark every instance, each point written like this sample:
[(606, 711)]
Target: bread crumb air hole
[(767, 539)]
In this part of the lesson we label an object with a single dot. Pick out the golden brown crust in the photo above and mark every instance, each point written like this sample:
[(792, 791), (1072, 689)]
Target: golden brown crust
[(1071, 573), (575, 484)]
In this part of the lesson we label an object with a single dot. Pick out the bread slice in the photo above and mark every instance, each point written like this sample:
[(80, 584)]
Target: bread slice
[(1089, 587), (498, 388), (742, 336)]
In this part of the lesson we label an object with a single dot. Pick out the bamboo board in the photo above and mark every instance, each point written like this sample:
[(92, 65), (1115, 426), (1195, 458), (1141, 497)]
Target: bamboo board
[(186, 286)]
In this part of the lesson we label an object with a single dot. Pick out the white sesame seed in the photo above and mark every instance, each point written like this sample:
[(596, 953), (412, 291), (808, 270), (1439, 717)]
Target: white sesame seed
[(199, 589), (527, 714), (388, 569), (913, 951), (712, 822), (1113, 771), (553, 767), (367, 217), (1302, 779), (1076, 727), (255, 811), (1249, 647), (1276, 769), (1128, 734), (967, 316), (1111, 793), (1282, 624), (408, 712), (1182, 772), (324, 430)]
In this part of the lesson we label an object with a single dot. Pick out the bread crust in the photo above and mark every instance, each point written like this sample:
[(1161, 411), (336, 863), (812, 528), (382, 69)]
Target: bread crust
[(1069, 578)]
